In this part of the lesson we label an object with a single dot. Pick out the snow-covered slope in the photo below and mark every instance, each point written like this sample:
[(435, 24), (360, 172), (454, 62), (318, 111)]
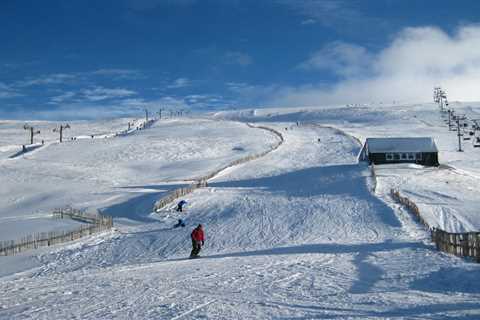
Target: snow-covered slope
[(447, 195), (120, 175), (297, 234), (14, 135)]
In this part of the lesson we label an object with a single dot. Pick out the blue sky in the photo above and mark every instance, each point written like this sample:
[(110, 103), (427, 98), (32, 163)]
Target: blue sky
[(78, 59)]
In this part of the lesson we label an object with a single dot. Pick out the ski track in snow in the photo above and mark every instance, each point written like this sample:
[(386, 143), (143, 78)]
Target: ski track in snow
[(295, 234)]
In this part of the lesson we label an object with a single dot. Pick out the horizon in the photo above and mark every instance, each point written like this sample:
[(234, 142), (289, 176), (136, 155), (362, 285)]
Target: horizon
[(88, 60)]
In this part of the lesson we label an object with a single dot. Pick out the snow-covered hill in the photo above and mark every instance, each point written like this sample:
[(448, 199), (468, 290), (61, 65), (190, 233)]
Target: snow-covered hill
[(448, 196), (120, 175), (297, 234)]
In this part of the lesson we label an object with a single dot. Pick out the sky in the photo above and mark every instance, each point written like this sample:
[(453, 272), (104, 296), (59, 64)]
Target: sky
[(99, 59)]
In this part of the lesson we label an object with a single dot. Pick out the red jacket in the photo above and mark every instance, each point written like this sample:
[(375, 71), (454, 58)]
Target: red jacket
[(198, 235)]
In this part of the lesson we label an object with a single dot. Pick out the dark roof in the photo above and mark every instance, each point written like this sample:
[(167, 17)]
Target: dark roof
[(382, 145)]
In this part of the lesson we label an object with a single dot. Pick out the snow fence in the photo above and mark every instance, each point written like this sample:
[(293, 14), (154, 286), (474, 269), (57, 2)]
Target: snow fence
[(202, 181), (96, 223), (460, 244)]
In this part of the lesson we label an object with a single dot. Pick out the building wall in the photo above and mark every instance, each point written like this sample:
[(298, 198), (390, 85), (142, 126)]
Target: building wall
[(431, 159), (426, 159)]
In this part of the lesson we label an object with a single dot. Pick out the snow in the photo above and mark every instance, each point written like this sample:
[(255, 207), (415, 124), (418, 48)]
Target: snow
[(296, 234), (18, 227), (98, 174), (457, 175)]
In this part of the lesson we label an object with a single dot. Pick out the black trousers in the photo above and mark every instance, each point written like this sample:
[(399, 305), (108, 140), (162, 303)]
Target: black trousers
[(196, 247)]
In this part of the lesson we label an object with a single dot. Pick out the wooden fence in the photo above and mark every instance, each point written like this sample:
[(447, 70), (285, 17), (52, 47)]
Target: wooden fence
[(177, 193), (82, 216), (460, 244), (410, 205), (201, 182), (374, 177), (97, 223)]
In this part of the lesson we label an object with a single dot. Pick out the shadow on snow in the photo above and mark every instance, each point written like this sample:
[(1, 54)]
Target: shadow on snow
[(348, 180), (327, 248)]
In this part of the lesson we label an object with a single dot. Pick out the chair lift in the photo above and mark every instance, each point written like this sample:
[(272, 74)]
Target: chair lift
[(466, 135), (476, 142), (476, 139)]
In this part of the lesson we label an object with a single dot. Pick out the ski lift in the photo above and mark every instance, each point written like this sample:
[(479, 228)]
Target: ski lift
[(476, 142)]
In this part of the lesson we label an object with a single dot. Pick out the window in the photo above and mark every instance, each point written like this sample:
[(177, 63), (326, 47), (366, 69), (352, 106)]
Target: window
[(403, 156)]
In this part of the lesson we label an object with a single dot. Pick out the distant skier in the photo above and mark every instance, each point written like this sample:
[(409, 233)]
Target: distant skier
[(198, 240), (180, 205), (180, 223)]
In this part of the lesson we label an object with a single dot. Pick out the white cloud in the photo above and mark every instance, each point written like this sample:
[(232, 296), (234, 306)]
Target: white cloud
[(76, 77), (414, 62), (308, 22), (341, 58), (62, 98), (101, 93), (118, 73), (338, 14), (204, 101), (163, 102), (133, 102), (193, 101), (58, 78), (7, 91), (249, 94), (240, 58), (179, 83)]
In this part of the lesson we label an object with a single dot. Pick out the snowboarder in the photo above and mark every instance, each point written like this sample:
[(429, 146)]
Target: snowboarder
[(180, 223), (198, 240), (180, 205)]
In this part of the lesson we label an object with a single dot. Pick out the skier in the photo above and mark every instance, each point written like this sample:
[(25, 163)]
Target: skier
[(180, 223), (198, 240), (180, 205)]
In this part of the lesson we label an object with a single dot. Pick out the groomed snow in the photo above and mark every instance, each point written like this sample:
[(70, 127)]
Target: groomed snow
[(121, 175), (297, 234), (448, 195)]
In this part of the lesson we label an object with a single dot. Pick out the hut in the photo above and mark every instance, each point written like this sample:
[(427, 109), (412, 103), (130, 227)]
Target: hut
[(419, 150)]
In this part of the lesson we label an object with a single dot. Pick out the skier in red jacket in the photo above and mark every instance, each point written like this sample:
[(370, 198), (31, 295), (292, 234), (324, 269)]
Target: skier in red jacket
[(198, 240)]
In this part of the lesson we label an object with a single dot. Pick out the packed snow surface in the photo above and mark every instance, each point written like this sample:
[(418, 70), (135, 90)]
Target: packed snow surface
[(296, 234)]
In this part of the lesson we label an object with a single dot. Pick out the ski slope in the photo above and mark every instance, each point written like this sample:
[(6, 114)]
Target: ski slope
[(14, 135), (297, 234), (119, 175), (448, 196)]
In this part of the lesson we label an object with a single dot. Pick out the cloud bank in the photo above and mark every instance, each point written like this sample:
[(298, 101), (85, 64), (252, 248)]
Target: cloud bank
[(415, 61)]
